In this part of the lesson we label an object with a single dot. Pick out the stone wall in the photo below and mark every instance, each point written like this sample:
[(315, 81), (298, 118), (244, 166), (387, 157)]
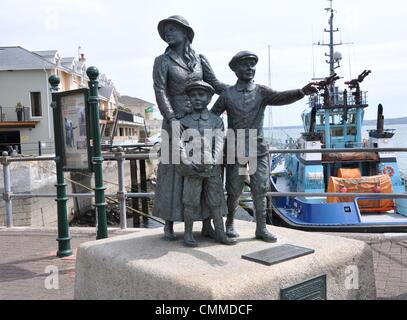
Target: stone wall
[(33, 177), (39, 177)]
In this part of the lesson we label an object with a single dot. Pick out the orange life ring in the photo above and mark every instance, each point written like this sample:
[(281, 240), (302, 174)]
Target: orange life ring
[(388, 170)]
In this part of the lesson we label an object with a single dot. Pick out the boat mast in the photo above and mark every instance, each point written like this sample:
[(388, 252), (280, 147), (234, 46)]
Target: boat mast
[(331, 44), (334, 58)]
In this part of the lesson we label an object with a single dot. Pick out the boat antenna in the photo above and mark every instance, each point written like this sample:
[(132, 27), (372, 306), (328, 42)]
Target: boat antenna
[(334, 58), (332, 43)]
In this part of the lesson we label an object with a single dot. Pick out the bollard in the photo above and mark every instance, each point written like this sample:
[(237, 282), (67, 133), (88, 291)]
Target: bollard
[(7, 190), (97, 159), (121, 194), (64, 239)]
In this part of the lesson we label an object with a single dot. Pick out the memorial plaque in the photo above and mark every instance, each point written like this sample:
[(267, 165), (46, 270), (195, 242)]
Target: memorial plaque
[(314, 289), (277, 254), (74, 134)]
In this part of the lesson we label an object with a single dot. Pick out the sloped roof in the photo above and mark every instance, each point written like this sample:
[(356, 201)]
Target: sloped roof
[(106, 92), (68, 63), (46, 53), (127, 100), (68, 60), (18, 58)]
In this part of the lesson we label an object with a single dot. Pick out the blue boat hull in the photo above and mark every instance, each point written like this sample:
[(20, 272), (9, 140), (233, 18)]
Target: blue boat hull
[(311, 215)]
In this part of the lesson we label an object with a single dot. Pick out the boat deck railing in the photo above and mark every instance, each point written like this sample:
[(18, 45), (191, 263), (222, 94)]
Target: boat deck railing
[(330, 150), (337, 99), (122, 155)]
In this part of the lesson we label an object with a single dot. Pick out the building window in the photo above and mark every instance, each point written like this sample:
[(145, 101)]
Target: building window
[(121, 132), (36, 104)]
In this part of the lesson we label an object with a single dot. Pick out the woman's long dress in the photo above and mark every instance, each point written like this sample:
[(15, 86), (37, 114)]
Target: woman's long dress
[(171, 75)]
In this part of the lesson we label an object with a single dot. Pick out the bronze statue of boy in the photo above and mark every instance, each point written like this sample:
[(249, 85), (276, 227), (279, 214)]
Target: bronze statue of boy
[(203, 174)]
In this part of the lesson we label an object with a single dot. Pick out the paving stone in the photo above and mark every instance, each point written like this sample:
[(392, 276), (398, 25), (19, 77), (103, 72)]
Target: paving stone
[(26, 253), (380, 285), (24, 261)]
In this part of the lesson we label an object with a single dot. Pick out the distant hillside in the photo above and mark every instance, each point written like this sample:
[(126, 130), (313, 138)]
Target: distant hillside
[(284, 127), (402, 120), (387, 121)]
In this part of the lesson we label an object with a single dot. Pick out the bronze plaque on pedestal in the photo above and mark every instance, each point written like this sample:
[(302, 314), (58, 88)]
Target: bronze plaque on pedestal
[(277, 254), (314, 289)]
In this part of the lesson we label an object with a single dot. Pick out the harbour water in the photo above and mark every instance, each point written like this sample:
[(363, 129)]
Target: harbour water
[(399, 139)]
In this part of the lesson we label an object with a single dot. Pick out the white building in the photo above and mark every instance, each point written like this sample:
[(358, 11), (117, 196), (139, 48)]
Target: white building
[(24, 81), (24, 78)]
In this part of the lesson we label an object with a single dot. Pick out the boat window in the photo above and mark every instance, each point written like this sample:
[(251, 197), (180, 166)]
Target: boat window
[(352, 131), (335, 118), (320, 120), (337, 132)]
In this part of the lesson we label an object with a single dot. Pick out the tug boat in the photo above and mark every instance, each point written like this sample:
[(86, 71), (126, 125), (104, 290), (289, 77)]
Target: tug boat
[(334, 120)]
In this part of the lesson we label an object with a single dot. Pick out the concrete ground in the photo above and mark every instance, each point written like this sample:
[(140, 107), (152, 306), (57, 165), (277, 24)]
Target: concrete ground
[(390, 263), (28, 257), (28, 263)]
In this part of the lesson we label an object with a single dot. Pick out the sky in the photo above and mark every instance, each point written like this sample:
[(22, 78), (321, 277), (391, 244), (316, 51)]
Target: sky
[(120, 37)]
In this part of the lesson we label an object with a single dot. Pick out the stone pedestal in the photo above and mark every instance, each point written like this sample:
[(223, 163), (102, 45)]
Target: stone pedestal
[(143, 265)]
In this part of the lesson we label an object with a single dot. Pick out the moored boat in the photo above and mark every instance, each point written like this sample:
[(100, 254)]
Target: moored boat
[(342, 162)]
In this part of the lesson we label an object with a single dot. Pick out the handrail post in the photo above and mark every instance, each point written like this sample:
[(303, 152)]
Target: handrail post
[(121, 194), (97, 159), (134, 188), (143, 185), (7, 189), (39, 148), (64, 239)]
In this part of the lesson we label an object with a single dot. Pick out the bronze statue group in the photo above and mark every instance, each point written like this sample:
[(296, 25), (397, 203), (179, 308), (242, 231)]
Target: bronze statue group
[(192, 190)]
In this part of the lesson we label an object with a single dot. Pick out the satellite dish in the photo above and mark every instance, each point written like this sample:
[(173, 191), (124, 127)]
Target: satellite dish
[(337, 56)]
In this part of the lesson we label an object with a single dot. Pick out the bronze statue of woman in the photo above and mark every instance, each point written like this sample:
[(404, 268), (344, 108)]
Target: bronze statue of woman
[(172, 71)]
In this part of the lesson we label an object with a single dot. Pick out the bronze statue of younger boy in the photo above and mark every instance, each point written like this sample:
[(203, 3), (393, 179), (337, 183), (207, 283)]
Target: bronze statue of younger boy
[(203, 184), (245, 103)]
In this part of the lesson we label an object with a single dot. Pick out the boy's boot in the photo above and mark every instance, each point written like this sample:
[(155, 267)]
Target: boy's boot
[(169, 230), (220, 235)]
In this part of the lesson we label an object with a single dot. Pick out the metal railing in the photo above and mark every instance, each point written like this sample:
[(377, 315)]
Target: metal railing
[(142, 155), (121, 195), (11, 114), (337, 98), (40, 147)]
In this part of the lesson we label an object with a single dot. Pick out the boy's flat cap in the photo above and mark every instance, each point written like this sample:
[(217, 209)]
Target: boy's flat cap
[(199, 85), (240, 56)]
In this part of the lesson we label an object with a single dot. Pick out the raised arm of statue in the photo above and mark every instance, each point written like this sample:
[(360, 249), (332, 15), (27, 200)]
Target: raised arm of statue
[(280, 98), (210, 77), (219, 107)]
